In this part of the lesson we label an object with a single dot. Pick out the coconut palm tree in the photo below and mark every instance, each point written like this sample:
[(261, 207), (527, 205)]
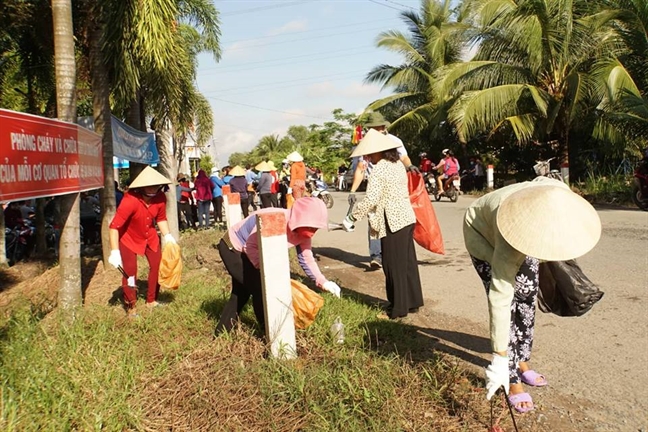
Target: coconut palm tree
[(433, 41), (622, 77), (532, 72), (69, 295)]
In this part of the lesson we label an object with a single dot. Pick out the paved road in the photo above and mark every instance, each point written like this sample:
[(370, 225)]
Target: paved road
[(596, 364)]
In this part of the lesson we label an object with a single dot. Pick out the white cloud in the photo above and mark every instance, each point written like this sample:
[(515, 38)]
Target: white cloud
[(350, 91), (230, 142), (292, 26), (468, 53)]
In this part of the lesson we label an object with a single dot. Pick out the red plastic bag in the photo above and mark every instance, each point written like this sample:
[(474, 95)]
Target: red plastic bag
[(427, 232)]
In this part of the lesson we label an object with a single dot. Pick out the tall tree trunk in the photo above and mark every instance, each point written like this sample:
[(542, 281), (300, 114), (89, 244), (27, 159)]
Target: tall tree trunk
[(168, 167), (134, 119), (69, 295), (101, 107), (41, 242)]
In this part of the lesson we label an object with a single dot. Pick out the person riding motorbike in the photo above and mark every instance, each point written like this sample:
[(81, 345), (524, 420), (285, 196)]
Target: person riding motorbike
[(450, 166), (426, 164)]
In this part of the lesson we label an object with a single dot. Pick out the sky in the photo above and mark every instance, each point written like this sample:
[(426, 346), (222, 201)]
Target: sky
[(291, 63)]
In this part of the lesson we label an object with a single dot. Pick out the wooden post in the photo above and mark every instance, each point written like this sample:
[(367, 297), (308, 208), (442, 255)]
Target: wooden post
[(275, 277)]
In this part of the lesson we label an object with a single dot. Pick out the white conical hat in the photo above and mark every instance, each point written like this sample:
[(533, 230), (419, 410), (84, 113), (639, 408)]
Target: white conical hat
[(149, 177), (263, 167), (294, 157), (374, 142), (550, 223)]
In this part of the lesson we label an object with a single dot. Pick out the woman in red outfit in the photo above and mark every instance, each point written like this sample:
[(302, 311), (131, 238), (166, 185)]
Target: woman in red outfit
[(132, 233)]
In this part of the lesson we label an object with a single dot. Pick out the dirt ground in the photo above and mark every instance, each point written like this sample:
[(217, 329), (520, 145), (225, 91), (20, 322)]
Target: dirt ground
[(595, 364)]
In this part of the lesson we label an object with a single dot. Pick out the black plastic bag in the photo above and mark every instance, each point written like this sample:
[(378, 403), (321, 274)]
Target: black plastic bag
[(565, 290)]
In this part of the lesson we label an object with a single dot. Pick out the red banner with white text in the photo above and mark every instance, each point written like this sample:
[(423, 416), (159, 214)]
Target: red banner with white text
[(42, 157)]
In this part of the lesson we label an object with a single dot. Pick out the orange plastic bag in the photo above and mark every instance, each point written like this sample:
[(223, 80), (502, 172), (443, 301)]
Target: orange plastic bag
[(427, 232), (171, 267), (306, 304)]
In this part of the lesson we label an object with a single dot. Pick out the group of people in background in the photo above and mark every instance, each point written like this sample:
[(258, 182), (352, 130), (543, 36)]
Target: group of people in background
[(201, 197)]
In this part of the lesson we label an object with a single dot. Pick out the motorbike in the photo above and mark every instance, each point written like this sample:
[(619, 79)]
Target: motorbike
[(640, 185), (18, 242), (451, 189), (430, 182), (319, 189)]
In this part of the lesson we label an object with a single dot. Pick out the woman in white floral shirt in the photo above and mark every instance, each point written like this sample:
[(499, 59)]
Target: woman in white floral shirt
[(391, 219)]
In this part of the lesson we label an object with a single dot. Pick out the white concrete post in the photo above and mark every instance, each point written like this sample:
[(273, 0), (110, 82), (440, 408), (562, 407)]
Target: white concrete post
[(275, 277), (226, 192), (564, 172), (490, 182), (234, 212)]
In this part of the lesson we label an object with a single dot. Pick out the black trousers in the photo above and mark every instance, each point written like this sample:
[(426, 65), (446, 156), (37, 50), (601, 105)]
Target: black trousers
[(218, 209), (246, 283), (274, 200), (400, 265), (245, 206), (266, 200)]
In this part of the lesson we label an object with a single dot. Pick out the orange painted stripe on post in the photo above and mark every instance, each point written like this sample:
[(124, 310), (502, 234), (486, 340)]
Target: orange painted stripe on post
[(234, 198), (272, 224), (227, 189)]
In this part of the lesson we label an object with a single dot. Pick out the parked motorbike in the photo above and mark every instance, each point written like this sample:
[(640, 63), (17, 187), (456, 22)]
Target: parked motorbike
[(18, 242), (319, 189), (451, 188), (640, 185)]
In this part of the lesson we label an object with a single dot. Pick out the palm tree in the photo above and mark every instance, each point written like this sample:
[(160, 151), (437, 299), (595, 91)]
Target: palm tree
[(532, 72), (622, 78), (433, 42), (65, 65)]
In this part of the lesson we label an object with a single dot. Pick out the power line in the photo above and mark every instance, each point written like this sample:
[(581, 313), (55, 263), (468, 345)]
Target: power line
[(305, 39), (303, 31), (286, 86), (269, 109), (386, 5), (400, 4), (244, 66), (262, 8), (289, 81)]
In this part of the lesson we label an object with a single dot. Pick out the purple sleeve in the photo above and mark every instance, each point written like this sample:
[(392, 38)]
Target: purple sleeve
[(308, 264)]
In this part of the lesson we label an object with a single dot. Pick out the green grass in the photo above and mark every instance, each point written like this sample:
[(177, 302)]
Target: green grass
[(166, 371), (606, 189)]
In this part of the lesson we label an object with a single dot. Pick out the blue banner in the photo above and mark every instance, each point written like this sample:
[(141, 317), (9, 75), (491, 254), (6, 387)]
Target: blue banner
[(129, 144)]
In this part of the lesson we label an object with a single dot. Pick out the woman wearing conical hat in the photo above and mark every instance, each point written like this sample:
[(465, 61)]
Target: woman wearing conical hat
[(238, 184), (506, 233), (265, 184), (132, 233), (297, 174)]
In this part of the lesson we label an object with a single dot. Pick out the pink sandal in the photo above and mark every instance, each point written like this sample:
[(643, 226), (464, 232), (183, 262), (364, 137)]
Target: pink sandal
[(533, 378), (518, 398)]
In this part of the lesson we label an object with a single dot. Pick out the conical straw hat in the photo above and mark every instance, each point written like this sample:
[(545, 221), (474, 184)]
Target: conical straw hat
[(272, 166), (149, 177), (550, 223), (374, 142), (263, 167), (294, 157), (237, 171)]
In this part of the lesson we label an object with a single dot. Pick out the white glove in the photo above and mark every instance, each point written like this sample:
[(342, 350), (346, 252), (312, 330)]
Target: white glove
[(348, 224), (497, 375), (131, 281), (168, 238), (115, 258), (289, 191), (332, 287)]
